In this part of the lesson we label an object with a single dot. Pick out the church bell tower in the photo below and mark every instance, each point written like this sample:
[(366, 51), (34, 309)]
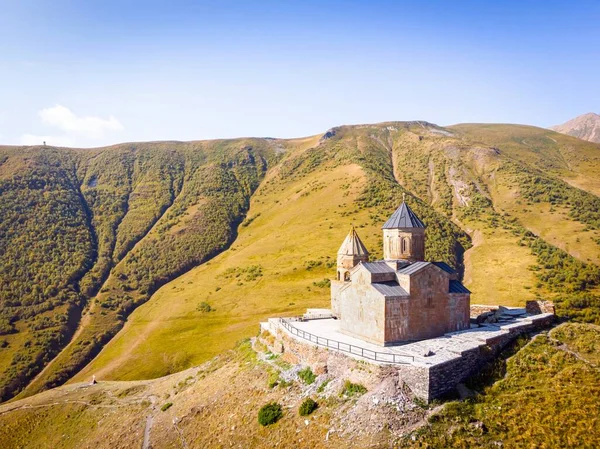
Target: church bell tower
[(350, 254)]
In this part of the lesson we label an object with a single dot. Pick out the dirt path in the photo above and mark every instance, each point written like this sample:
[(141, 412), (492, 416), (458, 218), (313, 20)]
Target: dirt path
[(146, 443), (476, 240)]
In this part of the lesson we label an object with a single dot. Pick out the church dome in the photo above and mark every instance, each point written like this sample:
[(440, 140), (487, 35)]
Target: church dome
[(403, 218)]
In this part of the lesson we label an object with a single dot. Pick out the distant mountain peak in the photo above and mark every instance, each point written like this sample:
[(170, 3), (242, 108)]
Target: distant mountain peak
[(586, 127)]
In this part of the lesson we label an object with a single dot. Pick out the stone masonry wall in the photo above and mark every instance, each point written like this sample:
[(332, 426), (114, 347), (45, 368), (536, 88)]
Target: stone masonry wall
[(537, 307), (322, 360), (416, 378), (480, 309), (363, 310), (426, 382), (432, 311), (445, 377)]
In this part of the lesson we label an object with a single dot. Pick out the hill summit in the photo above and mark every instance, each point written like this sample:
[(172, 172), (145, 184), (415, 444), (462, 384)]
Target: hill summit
[(586, 127)]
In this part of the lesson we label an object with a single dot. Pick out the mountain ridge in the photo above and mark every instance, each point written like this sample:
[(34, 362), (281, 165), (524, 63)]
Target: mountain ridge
[(585, 127)]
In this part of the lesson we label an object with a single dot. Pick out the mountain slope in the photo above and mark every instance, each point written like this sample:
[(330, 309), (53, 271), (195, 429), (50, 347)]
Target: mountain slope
[(79, 213), (534, 184), (280, 262), (286, 249), (151, 212), (585, 127)]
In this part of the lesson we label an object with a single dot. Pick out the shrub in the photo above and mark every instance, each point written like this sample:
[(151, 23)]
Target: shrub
[(166, 407), (273, 380), (325, 283), (352, 389), (307, 407), (204, 307), (307, 376), (321, 388), (312, 264), (284, 383), (6, 327), (270, 414)]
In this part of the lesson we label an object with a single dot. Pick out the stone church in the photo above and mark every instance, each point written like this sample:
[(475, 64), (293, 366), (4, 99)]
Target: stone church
[(401, 298)]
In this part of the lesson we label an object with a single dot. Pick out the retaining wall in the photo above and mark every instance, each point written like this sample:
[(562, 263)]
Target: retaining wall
[(426, 380)]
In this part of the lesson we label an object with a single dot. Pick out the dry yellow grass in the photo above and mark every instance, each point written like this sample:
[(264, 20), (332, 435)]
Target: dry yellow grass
[(211, 406), (294, 222), (496, 269), (293, 225), (552, 224), (573, 160)]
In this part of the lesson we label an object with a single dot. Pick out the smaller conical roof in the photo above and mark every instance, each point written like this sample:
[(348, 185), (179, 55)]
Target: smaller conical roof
[(404, 217), (352, 245)]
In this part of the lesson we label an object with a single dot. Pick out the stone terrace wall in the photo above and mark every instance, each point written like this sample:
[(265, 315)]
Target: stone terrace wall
[(425, 381), (444, 377), (537, 307), (321, 360), (479, 309), (416, 378)]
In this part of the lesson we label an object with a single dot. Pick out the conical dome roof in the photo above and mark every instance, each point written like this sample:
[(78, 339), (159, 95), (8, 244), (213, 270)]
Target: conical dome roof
[(404, 217), (353, 246)]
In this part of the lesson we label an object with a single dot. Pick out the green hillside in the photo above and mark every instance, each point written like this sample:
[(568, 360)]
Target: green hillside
[(146, 228), (296, 224), (74, 216), (547, 395)]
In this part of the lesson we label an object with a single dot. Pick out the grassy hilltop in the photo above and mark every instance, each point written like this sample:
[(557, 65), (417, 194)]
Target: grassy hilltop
[(112, 235)]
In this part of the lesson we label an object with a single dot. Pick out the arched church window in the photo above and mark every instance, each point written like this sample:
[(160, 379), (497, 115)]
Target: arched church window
[(405, 245), (346, 276)]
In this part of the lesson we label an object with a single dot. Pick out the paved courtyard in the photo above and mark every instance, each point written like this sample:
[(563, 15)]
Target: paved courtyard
[(326, 333)]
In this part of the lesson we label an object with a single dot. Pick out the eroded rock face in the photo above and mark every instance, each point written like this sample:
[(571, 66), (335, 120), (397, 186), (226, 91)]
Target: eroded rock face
[(585, 127), (328, 135)]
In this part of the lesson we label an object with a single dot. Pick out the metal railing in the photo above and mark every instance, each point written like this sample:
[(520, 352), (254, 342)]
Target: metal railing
[(316, 316), (383, 357)]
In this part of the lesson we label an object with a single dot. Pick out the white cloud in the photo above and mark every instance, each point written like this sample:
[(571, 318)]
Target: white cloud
[(90, 127), (70, 129), (55, 141)]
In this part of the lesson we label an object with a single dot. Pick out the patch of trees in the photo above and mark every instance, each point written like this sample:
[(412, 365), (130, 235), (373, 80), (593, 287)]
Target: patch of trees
[(571, 283), (45, 248), (251, 273), (69, 217), (218, 180)]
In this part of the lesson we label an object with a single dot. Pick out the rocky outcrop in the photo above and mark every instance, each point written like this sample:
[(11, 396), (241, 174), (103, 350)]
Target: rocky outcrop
[(585, 127)]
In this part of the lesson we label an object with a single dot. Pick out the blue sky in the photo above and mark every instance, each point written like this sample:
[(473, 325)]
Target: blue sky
[(88, 73)]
